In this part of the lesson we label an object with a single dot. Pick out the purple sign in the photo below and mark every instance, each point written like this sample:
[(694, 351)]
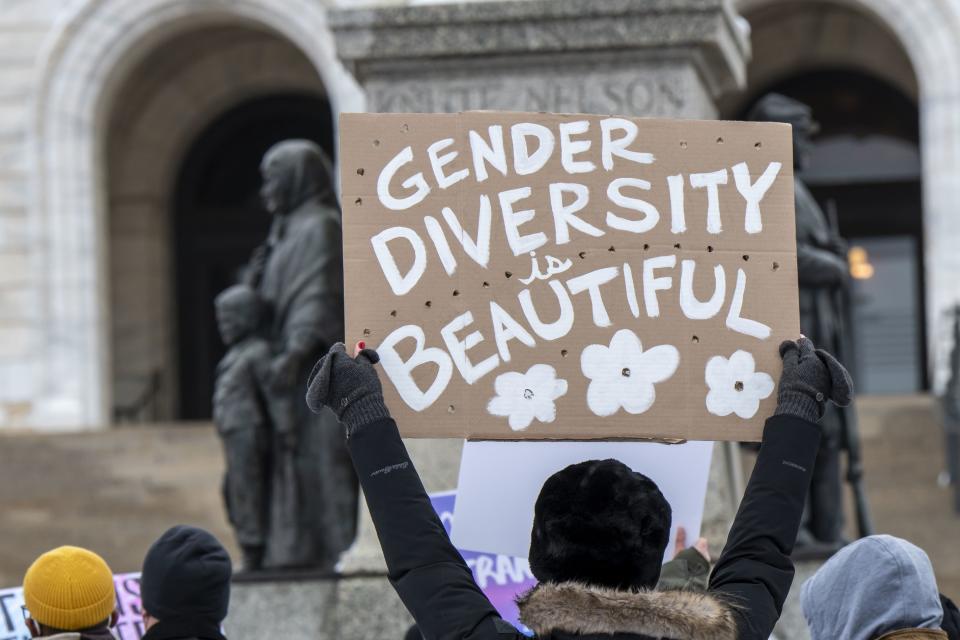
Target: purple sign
[(501, 578)]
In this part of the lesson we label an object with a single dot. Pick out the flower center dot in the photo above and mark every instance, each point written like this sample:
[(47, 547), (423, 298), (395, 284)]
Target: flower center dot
[(625, 372), (527, 394), (738, 386)]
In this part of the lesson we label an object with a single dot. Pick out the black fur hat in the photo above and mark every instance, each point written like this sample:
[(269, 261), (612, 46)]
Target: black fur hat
[(601, 523)]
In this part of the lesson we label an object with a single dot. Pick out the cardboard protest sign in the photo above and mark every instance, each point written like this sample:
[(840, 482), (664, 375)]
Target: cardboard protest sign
[(539, 276), (500, 481), (129, 612), (501, 578)]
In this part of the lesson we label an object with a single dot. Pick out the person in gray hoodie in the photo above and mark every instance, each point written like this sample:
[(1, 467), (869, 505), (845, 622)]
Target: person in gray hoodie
[(879, 587)]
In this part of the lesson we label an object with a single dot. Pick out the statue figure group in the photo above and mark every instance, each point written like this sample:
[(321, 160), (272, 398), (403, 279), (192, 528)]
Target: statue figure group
[(823, 274), (290, 489)]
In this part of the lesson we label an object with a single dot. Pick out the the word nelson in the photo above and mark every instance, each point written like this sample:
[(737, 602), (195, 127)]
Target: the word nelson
[(533, 145)]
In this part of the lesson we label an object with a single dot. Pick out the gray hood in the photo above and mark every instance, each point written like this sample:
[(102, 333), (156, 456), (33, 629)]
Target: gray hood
[(871, 587)]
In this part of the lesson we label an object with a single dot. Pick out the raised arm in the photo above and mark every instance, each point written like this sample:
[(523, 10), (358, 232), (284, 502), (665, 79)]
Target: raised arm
[(426, 570), (755, 571)]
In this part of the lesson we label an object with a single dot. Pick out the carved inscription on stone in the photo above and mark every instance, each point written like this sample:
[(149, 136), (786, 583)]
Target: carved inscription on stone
[(634, 94)]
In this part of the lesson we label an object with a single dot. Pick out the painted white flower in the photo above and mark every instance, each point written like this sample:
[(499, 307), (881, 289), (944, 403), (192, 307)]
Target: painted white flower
[(735, 385), (624, 375), (521, 397)]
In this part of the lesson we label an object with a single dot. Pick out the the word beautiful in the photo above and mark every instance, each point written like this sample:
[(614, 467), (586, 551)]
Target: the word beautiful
[(399, 188)]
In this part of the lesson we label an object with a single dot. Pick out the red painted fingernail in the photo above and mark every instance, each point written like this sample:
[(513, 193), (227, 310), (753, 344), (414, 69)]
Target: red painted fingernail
[(361, 345)]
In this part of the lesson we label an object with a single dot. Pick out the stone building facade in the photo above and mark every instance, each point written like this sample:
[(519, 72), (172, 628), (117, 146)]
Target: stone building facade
[(106, 104)]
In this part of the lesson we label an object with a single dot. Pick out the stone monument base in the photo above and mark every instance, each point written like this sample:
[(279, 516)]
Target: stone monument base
[(792, 625), (364, 606), (305, 606)]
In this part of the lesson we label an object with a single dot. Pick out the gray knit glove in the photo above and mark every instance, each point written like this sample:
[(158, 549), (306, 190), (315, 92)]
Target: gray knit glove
[(810, 377), (348, 386)]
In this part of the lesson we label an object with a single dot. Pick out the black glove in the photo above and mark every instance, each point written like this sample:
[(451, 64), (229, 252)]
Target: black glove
[(810, 377), (348, 386)]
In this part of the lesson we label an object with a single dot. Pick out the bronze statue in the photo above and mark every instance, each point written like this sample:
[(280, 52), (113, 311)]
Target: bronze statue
[(240, 413), (951, 411), (309, 504), (823, 278)]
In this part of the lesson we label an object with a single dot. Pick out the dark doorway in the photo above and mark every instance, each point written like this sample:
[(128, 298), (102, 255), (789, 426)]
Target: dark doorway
[(218, 221), (865, 171)]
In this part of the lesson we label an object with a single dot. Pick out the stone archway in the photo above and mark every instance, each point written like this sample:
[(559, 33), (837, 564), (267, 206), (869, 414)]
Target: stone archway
[(794, 38), (83, 68), (924, 31), (161, 108)]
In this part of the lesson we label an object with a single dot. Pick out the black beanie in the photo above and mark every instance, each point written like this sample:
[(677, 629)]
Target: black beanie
[(186, 575), (600, 523)]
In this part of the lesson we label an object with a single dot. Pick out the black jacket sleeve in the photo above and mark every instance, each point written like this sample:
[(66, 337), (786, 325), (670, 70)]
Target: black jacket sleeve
[(426, 570), (754, 572)]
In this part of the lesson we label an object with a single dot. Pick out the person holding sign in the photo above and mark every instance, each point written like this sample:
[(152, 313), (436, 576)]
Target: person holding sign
[(600, 529)]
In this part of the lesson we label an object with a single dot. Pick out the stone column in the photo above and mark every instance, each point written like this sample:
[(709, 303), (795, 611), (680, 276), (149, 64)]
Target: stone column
[(669, 58)]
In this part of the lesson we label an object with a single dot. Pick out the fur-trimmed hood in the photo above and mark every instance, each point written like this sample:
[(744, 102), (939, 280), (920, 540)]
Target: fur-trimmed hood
[(575, 609)]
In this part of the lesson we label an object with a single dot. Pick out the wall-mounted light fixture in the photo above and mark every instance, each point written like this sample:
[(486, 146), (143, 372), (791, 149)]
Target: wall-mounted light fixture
[(860, 267)]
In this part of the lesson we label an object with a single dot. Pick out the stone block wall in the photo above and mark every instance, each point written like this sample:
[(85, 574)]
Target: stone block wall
[(85, 298), (23, 26)]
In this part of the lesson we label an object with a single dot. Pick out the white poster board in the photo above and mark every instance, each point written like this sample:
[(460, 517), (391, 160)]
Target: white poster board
[(500, 481)]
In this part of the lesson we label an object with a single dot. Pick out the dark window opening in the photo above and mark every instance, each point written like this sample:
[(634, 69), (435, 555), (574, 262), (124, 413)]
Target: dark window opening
[(865, 169), (218, 221)]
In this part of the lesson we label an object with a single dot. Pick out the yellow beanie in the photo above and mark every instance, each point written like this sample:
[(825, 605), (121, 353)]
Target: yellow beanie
[(69, 589)]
